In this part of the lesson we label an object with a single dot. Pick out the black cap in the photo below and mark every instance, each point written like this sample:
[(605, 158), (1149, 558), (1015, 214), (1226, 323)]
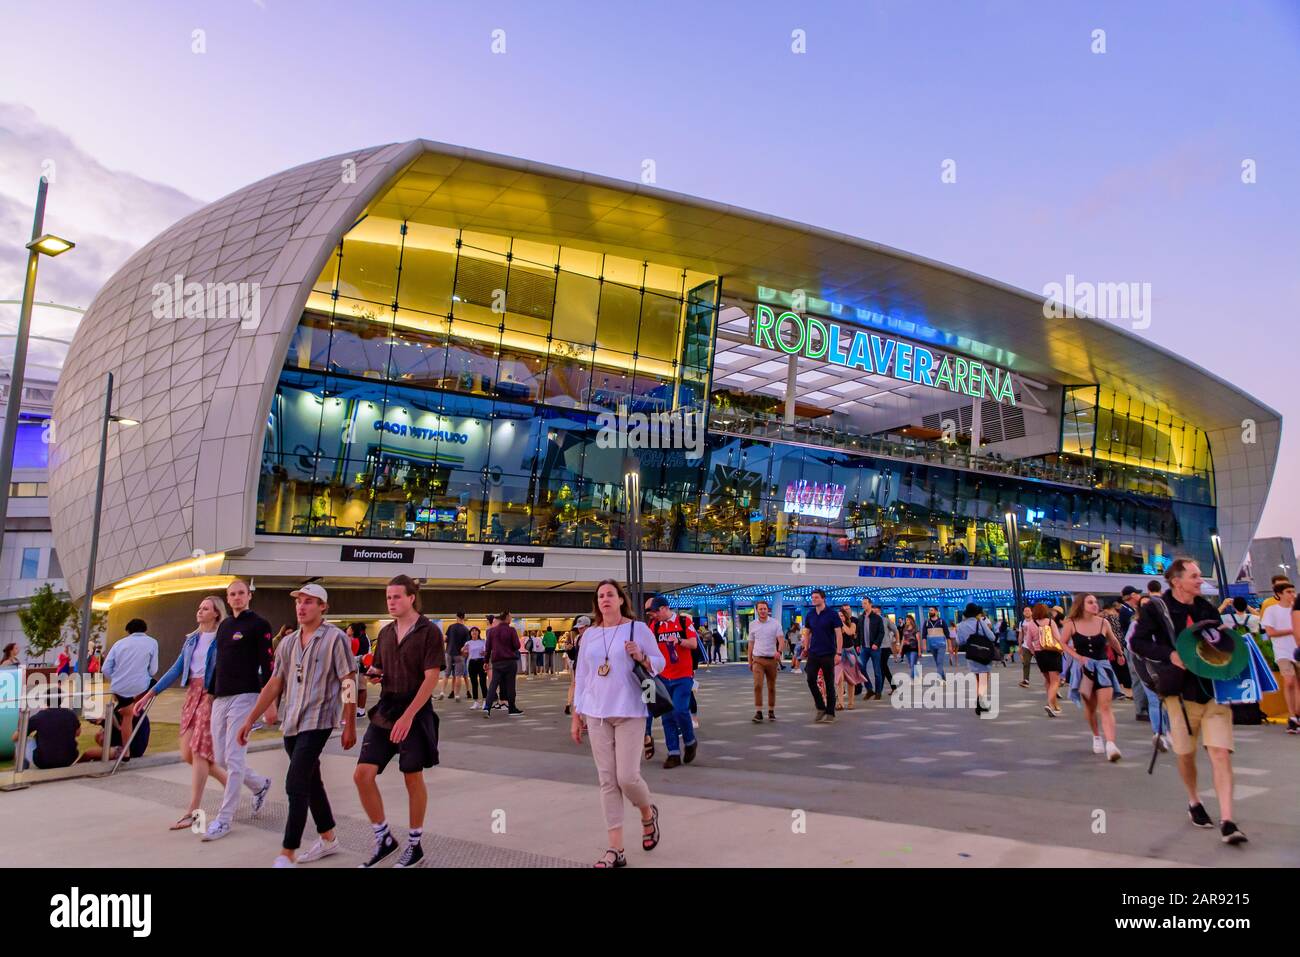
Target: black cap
[(1128, 590), (657, 602)]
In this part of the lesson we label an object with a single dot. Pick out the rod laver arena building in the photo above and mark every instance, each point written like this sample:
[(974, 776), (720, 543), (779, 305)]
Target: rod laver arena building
[(401, 359)]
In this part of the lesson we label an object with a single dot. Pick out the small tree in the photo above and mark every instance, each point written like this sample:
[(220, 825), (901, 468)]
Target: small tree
[(43, 620), (98, 627)]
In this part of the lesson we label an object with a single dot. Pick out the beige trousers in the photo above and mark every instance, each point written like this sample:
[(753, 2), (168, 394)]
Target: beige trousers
[(616, 745)]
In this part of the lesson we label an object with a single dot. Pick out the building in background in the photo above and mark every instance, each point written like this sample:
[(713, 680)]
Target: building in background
[(30, 559), (1268, 557), (401, 360)]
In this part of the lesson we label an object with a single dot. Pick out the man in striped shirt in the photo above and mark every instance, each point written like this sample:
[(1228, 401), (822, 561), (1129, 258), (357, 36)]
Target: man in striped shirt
[(314, 680)]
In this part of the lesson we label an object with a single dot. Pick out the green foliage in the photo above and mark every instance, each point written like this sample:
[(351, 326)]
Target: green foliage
[(43, 621)]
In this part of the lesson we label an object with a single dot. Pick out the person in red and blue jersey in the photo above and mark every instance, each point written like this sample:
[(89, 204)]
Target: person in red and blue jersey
[(677, 641)]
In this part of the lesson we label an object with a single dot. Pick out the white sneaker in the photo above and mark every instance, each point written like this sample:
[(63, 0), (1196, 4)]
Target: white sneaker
[(216, 831), (321, 848), (1098, 747), (1165, 743), (1112, 751), (361, 712), (283, 861), (439, 696), (259, 797)]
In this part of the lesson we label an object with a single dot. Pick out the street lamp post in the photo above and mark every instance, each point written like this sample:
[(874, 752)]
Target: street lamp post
[(41, 244), (88, 603), (633, 563)]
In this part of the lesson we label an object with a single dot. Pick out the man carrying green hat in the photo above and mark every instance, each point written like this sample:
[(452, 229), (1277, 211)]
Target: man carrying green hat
[(1164, 635)]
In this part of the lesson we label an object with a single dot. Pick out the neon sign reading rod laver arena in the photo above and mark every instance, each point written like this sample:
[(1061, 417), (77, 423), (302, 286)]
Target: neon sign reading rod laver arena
[(813, 338)]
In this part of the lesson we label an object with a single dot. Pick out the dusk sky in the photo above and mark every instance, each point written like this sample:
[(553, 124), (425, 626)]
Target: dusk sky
[(1122, 166)]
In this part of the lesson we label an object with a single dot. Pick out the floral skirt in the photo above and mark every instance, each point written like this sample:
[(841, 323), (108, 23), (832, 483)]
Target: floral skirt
[(196, 719)]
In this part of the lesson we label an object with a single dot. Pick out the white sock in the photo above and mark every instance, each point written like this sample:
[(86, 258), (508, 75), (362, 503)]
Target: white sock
[(414, 834)]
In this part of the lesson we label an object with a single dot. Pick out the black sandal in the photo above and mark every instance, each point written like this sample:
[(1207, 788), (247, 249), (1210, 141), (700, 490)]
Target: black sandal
[(650, 841), (619, 860), (648, 750)]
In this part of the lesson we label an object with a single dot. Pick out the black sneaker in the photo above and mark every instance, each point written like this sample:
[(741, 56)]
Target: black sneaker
[(1199, 816), (758, 717), (771, 716), (691, 748), (412, 856), (673, 761), (513, 712), (1231, 833), (382, 851)]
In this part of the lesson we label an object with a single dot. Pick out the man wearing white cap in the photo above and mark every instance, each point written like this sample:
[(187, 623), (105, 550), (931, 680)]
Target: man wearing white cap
[(314, 679)]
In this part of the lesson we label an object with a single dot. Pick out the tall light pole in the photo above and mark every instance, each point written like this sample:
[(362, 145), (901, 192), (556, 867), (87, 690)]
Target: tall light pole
[(41, 244), (88, 603)]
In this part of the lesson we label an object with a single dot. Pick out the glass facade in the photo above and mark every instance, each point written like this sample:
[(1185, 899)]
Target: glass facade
[(445, 385), (1137, 447)]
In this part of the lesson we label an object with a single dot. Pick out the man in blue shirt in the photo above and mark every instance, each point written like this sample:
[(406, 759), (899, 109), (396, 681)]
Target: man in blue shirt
[(130, 666), (824, 649)]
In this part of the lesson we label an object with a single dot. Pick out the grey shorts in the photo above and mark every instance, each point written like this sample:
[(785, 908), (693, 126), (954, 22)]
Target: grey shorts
[(458, 667)]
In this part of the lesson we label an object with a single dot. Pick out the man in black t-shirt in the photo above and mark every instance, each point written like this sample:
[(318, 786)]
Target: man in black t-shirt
[(243, 667), (457, 637), (55, 743), (1194, 715), (408, 656)]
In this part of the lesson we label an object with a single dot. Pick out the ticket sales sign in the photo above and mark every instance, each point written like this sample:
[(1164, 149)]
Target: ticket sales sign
[(790, 333)]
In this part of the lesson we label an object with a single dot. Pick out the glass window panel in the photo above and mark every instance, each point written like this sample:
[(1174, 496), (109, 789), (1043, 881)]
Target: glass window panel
[(360, 340), (428, 269), (521, 372), (480, 286), (568, 377), (665, 280), (627, 272), (419, 352), (508, 511), (472, 358), (611, 380), (369, 267), (530, 296), (661, 320), (577, 298), (620, 313), (484, 245), (581, 262), (327, 281), (536, 254), (310, 346)]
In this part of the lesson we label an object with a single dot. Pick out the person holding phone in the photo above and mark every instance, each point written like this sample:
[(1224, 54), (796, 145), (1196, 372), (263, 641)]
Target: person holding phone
[(609, 705)]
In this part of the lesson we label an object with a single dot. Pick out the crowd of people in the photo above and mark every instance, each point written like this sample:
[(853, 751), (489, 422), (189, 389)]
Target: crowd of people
[(629, 668)]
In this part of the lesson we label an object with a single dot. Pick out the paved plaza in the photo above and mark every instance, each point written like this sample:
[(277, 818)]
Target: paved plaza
[(879, 787)]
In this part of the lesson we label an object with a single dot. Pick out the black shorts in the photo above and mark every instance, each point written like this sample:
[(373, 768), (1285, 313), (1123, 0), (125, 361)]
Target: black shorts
[(418, 750), (1048, 661)]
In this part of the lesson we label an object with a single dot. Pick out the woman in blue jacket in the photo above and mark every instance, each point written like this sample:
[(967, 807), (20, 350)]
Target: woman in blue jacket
[(193, 668)]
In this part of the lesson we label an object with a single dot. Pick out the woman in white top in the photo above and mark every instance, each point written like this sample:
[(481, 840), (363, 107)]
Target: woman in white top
[(608, 705)]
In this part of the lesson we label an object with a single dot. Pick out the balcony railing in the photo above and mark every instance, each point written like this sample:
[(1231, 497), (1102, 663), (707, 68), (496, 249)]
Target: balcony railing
[(1100, 475)]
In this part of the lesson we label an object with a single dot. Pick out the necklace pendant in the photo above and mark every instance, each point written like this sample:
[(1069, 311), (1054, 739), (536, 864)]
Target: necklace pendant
[(603, 670)]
